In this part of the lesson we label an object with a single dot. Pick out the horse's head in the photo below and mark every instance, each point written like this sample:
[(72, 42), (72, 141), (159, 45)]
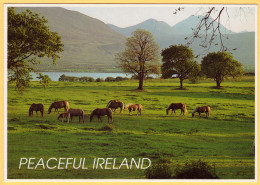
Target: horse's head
[(91, 116), (49, 110), (192, 114), (167, 111)]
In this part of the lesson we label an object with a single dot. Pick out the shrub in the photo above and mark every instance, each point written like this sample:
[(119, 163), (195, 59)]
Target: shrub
[(108, 127), (99, 80), (195, 170), (160, 170), (109, 79)]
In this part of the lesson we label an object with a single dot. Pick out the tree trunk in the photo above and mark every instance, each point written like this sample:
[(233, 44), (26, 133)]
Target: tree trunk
[(181, 82), (141, 78), (218, 83)]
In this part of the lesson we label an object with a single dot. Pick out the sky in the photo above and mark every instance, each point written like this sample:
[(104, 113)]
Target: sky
[(234, 17)]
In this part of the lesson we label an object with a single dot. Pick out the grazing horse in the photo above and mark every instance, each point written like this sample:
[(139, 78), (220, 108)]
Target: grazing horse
[(203, 109), (76, 112), (175, 106), (137, 107), (59, 104), (114, 104), (36, 108), (63, 116), (101, 112)]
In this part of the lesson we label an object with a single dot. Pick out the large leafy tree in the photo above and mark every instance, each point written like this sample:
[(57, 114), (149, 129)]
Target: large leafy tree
[(141, 56), (29, 39), (178, 60), (219, 65)]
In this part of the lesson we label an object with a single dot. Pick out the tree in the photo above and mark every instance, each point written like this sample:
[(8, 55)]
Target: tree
[(140, 57), (219, 65), (29, 39), (44, 80), (178, 59)]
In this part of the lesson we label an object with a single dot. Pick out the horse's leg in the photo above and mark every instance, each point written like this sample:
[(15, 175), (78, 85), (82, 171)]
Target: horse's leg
[(37, 113), (172, 111)]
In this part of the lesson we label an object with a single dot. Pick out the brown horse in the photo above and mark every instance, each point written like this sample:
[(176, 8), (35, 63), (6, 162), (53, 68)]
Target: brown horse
[(101, 112), (203, 109), (114, 104), (36, 108), (59, 104), (76, 112), (174, 106), (63, 116), (137, 107)]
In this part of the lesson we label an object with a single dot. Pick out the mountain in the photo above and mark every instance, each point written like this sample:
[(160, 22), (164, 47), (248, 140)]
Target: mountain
[(157, 28), (89, 44), (191, 22), (165, 35)]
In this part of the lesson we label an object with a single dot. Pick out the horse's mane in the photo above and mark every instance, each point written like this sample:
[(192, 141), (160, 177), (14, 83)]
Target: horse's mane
[(110, 103), (127, 105)]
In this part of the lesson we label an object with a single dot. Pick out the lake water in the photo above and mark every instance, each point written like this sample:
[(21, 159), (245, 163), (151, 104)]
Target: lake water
[(56, 75)]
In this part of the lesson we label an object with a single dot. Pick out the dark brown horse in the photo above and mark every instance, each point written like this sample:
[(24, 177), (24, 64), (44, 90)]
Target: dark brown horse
[(135, 107), (202, 109), (174, 106), (58, 105), (101, 112), (63, 116), (76, 112), (114, 104), (36, 108)]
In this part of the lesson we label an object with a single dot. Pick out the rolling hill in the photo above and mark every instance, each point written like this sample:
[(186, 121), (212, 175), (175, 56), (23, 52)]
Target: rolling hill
[(90, 44)]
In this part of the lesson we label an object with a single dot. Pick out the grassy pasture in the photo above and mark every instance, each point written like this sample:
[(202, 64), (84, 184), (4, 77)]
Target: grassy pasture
[(224, 140)]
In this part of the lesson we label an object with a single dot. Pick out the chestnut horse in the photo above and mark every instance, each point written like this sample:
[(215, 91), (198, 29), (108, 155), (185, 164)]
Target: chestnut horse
[(63, 116), (114, 104), (174, 106), (76, 112), (137, 107), (101, 112), (36, 108), (59, 104), (202, 109)]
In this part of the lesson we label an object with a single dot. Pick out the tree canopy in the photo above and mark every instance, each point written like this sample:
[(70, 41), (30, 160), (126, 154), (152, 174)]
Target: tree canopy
[(178, 59), (140, 57), (219, 65), (29, 39)]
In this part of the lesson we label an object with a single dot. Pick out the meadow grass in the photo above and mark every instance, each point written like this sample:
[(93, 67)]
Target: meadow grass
[(225, 139)]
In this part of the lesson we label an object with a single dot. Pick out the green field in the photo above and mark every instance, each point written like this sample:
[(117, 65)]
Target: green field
[(224, 140)]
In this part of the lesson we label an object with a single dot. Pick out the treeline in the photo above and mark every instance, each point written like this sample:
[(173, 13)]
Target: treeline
[(64, 78)]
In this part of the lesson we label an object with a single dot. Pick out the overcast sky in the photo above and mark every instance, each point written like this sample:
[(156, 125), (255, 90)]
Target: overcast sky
[(128, 15)]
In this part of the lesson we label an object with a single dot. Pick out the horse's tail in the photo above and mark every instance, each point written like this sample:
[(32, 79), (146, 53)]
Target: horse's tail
[(123, 107), (83, 116), (110, 115), (42, 110), (185, 108), (209, 110), (67, 105)]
